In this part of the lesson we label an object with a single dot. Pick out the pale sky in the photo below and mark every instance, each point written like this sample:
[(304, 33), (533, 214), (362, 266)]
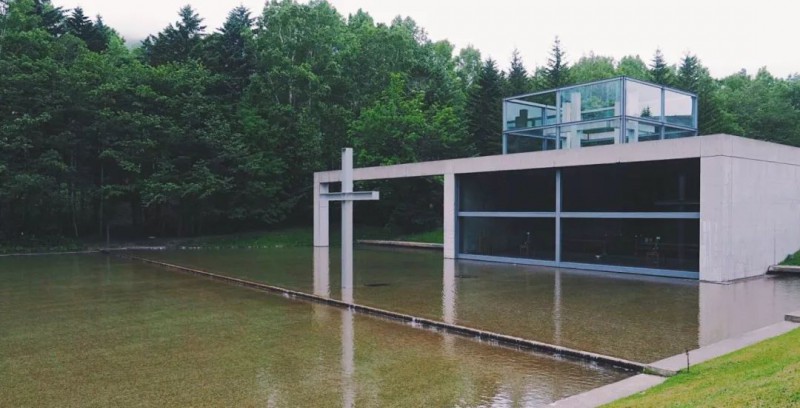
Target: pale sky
[(727, 36)]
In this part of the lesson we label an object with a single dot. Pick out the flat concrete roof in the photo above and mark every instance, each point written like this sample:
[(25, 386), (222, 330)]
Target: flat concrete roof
[(684, 148)]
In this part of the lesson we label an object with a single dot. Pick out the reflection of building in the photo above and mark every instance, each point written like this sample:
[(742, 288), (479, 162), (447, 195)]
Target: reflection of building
[(715, 207)]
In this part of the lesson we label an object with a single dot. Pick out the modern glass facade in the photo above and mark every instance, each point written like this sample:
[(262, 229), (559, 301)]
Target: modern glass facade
[(640, 217), (614, 111)]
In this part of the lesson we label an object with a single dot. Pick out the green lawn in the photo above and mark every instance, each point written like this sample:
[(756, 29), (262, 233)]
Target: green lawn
[(764, 375), (304, 236), (792, 259), (432, 237), (35, 245)]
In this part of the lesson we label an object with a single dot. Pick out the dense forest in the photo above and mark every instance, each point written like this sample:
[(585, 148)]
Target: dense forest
[(203, 130)]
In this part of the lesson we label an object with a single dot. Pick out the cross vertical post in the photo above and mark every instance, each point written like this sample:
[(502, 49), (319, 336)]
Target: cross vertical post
[(347, 225), (346, 196)]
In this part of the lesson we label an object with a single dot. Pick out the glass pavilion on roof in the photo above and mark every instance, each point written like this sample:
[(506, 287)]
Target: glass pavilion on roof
[(612, 111)]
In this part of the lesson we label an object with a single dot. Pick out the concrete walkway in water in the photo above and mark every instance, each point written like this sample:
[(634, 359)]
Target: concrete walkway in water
[(784, 269), (402, 244), (673, 365)]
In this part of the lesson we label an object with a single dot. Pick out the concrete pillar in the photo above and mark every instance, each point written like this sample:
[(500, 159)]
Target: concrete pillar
[(450, 214), (347, 226), (321, 214)]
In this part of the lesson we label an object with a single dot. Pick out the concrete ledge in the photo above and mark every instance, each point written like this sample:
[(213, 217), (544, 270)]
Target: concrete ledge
[(136, 248), (672, 365), (404, 244), (611, 392), (417, 322), (776, 269), (793, 317)]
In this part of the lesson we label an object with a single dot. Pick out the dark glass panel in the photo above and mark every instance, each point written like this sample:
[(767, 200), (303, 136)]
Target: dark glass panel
[(532, 140), (516, 191), (532, 238), (663, 186), (644, 243)]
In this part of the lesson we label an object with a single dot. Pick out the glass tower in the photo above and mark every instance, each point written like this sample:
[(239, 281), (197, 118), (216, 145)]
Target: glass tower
[(612, 111)]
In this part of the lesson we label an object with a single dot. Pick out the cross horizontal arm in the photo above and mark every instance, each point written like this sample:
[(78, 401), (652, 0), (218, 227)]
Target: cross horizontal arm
[(352, 196)]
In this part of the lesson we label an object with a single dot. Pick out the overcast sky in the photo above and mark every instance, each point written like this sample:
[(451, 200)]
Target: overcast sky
[(727, 36)]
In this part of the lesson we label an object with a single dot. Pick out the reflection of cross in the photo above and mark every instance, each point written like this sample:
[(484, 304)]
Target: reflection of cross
[(347, 196)]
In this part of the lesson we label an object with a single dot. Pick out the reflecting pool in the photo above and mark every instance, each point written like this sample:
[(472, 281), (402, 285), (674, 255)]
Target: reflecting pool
[(91, 330), (634, 317)]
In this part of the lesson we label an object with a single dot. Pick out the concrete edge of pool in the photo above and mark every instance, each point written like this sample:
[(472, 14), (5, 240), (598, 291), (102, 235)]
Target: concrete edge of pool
[(417, 322)]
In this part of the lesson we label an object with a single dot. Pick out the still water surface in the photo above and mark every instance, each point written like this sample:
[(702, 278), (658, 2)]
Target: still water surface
[(638, 318), (89, 330)]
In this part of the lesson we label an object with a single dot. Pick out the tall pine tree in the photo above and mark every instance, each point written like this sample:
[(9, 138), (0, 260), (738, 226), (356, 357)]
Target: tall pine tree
[(660, 72), (484, 109), (176, 43), (518, 80), (694, 77), (556, 73)]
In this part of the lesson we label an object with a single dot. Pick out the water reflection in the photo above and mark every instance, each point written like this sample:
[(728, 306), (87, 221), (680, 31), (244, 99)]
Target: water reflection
[(348, 357), (449, 291), (322, 278), (197, 342), (633, 317), (557, 308), (745, 306)]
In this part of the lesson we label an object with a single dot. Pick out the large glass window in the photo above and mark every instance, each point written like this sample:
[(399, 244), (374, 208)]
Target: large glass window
[(513, 191), (675, 133), (603, 132), (659, 186), (643, 243), (531, 238), (678, 108), (591, 102), (532, 141), (643, 101), (642, 131)]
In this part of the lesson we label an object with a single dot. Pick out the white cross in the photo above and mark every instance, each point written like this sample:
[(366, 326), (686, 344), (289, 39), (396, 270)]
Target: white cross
[(347, 196)]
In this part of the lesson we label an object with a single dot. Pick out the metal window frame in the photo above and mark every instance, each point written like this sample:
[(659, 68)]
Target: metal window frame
[(557, 216)]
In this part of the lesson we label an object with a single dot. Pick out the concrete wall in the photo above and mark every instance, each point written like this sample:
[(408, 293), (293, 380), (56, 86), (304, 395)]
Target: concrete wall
[(749, 194), (749, 208)]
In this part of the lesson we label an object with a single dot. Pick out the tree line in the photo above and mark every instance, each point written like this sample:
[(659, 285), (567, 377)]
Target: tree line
[(207, 131)]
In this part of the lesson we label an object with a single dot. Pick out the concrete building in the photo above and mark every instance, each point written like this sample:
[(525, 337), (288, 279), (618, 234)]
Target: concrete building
[(645, 198)]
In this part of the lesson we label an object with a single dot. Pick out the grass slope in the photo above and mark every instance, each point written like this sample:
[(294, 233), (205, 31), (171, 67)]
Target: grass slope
[(792, 259), (764, 375), (304, 236)]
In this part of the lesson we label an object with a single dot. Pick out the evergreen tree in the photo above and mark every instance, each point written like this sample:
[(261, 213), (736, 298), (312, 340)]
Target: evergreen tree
[(556, 72), (484, 108), (694, 77), (518, 81), (176, 43), (230, 52), (95, 36), (660, 72), (52, 18)]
